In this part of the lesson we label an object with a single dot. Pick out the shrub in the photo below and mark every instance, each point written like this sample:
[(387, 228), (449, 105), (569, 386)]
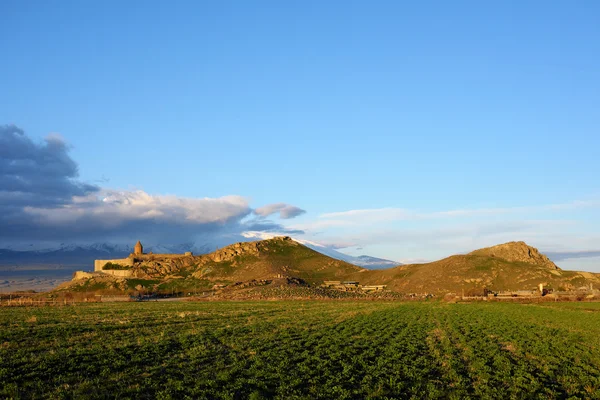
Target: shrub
[(114, 266)]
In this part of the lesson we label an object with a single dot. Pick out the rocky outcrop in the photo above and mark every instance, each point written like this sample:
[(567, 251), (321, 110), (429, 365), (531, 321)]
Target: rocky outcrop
[(238, 249), (230, 252), (157, 266), (161, 267), (516, 252), (77, 275)]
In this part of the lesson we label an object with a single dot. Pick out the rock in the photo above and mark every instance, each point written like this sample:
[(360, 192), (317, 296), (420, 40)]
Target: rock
[(77, 275), (516, 252)]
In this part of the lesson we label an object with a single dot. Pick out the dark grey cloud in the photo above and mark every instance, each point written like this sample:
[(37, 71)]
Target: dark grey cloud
[(37, 174), (286, 211), (566, 255), (269, 226)]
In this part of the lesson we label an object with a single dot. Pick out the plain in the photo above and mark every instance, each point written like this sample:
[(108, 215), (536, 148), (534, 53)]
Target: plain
[(301, 349)]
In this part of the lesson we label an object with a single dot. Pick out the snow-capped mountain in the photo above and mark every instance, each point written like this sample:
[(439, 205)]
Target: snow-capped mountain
[(82, 256), (107, 248), (374, 262), (362, 261)]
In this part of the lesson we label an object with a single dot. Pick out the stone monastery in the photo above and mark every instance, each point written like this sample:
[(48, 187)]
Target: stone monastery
[(138, 255)]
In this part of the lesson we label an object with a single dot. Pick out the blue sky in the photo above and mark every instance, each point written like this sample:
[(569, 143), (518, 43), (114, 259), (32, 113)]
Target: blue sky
[(408, 112)]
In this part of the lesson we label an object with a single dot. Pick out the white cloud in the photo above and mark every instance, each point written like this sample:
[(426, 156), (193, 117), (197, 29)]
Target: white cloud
[(286, 211), (324, 224), (41, 199), (257, 235), (395, 214), (118, 215), (373, 214), (112, 208)]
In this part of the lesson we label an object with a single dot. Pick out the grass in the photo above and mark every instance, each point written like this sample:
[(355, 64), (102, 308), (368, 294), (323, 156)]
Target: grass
[(222, 268), (184, 286), (301, 349), (90, 286), (133, 283)]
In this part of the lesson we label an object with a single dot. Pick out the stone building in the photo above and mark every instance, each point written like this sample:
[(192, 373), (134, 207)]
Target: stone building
[(122, 267), (138, 249)]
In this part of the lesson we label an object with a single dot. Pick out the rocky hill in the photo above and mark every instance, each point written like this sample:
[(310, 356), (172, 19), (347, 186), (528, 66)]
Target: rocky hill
[(510, 266), (516, 252), (44, 268), (266, 260)]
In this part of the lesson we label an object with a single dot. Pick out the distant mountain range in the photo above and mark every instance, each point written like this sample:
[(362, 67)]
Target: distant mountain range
[(362, 261), (78, 256)]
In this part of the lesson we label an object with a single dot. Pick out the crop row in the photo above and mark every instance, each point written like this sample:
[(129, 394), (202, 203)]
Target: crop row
[(301, 349)]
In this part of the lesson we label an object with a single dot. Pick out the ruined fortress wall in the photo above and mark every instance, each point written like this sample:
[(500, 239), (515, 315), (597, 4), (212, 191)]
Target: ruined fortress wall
[(82, 275), (151, 257), (98, 264), (123, 273)]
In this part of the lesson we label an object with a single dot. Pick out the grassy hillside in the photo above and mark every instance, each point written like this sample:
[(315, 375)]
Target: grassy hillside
[(269, 259), (511, 266)]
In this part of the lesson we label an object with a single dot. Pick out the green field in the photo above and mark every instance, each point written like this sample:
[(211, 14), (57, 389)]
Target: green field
[(286, 350)]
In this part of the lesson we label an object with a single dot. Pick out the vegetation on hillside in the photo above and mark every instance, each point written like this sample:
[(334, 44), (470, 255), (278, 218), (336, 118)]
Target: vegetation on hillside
[(475, 273), (113, 266)]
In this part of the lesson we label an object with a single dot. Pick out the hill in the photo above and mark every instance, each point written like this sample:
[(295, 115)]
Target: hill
[(509, 266), (260, 262), (43, 268), (277, 257), (516, 252), (282, 261)]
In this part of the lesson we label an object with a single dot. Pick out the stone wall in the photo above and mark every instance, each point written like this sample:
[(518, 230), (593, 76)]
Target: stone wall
[(122, 273), (131, 260), (158, 257), (82, 275)]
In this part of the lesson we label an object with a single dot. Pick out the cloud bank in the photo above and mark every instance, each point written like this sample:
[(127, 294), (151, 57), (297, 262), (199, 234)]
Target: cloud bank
[(568, 255), (401, 214), (42, 199)]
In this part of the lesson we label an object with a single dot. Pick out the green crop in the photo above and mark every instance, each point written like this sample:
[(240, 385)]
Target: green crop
[(301, 349)]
